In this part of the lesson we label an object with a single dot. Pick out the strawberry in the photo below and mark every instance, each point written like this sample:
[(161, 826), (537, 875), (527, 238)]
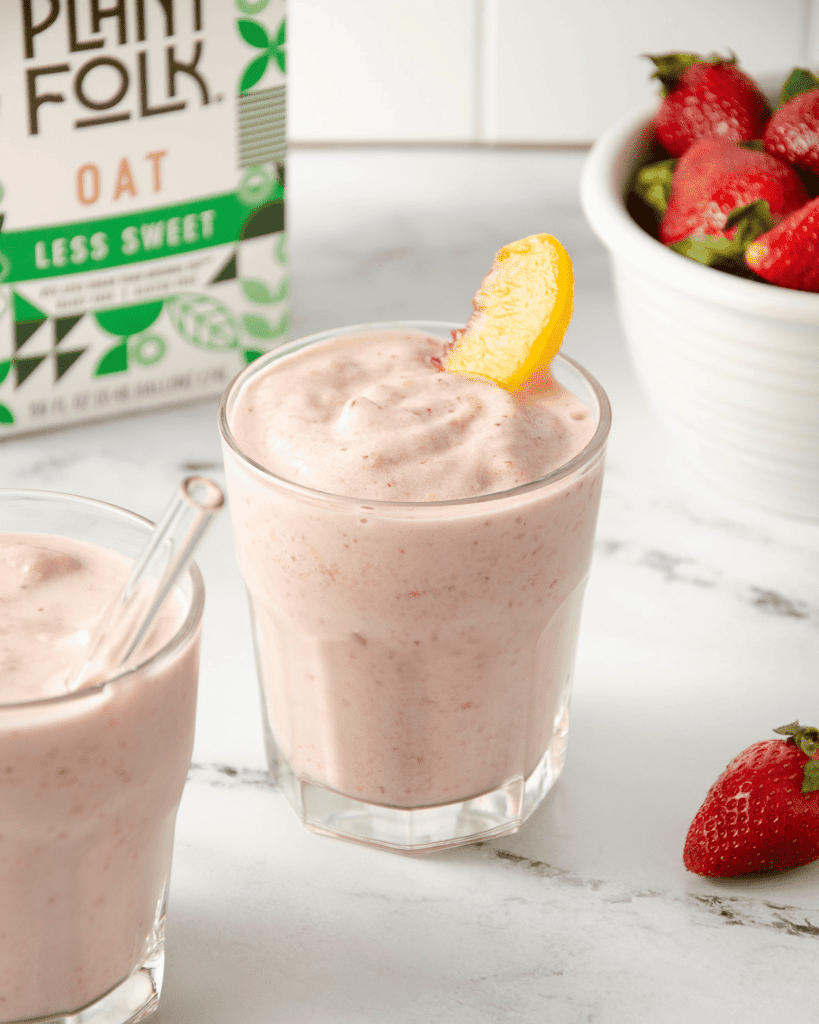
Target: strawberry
[(792, 134), (706, 98), (788, 254), (715, 177), (762, 813)]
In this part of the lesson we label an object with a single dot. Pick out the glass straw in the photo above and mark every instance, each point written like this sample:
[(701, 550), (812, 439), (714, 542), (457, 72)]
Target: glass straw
[(163, 559)]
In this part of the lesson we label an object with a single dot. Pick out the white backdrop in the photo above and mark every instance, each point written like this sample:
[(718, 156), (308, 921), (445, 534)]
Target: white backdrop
[(511, 71)]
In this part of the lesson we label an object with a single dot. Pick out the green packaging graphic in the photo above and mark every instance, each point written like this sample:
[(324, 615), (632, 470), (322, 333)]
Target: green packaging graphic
[(143, 256)]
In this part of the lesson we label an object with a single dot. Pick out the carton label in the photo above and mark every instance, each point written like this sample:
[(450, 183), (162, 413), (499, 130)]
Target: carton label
[(142, 246)]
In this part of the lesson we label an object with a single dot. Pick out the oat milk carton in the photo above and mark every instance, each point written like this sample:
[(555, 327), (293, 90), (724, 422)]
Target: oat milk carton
[(142, 246)]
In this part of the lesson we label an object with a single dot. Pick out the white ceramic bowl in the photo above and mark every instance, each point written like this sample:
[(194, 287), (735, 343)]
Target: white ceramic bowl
[(730, 366)]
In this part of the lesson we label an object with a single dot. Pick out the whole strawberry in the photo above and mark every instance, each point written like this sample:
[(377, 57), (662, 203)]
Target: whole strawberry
[(762, 813), (788, 254), (706, 98), (715, 177), (792, 134)]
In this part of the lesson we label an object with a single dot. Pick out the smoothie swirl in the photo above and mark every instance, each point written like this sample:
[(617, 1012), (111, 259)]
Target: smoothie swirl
[(374, 415)]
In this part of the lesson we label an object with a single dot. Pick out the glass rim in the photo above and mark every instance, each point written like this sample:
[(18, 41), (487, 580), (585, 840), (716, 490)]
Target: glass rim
[(181, 636), (584, 457)]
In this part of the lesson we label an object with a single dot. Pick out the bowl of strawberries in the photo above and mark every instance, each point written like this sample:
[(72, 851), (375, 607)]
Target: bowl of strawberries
[(709, 207)]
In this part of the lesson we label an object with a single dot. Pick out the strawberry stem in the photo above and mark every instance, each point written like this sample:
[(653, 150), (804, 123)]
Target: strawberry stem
[(669, 67), (804, 736), (807, 739)]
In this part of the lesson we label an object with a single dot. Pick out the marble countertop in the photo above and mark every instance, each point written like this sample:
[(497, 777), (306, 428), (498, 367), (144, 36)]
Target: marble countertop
[(700, 634)]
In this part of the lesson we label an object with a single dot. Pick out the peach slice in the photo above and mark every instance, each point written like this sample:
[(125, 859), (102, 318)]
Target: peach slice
[(522, 310)]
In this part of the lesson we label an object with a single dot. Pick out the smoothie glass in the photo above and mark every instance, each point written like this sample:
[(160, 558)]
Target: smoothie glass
[(415, 659), (90, 783)]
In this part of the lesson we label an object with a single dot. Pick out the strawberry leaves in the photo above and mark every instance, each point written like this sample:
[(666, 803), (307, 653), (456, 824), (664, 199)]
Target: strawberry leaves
[(750, 222), (653, 185), (804, 736), (800, 80), (810, 777), (807, 739), (255, 34), (669, 67)]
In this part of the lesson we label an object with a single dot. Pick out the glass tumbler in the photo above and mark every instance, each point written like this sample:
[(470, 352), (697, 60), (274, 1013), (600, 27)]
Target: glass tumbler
[(90, 783), (415, 659)]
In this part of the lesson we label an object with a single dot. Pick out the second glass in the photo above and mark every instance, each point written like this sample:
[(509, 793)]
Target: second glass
[(90, 783), (415, 658)]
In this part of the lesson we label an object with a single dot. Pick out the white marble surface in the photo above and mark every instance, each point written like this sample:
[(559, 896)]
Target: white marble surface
[(700, 634)]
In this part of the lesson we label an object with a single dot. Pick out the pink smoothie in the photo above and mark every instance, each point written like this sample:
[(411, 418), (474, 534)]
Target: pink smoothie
[(419, 654), (89, 784)]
